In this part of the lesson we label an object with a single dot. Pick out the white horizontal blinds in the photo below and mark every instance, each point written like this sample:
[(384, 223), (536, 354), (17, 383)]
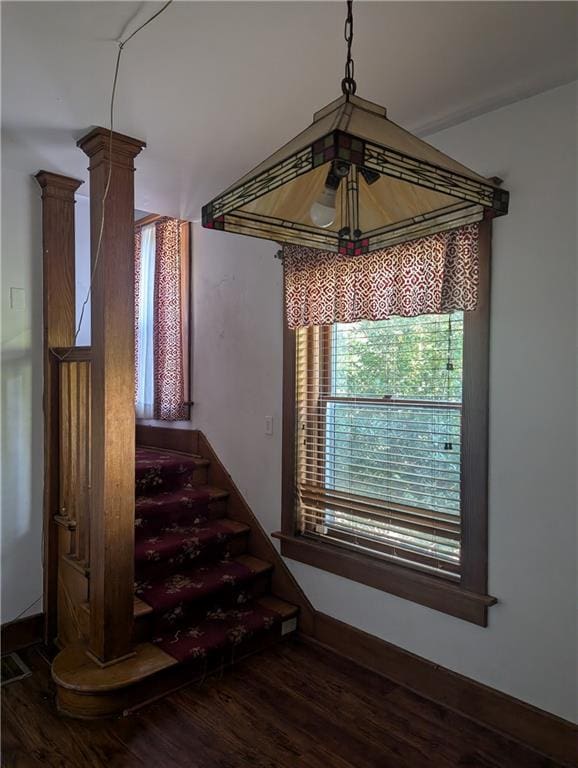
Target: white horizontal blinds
[(379, 436)]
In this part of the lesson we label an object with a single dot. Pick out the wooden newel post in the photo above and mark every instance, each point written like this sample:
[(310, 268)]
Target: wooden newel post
[(59, 313), (113, 420)]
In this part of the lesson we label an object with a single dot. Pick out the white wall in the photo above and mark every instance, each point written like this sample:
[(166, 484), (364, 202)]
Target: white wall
[(529, 649), (21, 396)]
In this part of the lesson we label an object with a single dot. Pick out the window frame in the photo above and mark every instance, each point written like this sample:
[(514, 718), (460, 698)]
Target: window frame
[(468, 599), (186, 304)]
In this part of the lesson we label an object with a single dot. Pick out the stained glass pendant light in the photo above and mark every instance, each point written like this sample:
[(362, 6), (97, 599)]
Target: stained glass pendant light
[(353, 182)]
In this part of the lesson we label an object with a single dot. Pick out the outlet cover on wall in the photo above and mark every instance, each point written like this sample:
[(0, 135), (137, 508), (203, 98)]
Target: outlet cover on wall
[(268, 425)]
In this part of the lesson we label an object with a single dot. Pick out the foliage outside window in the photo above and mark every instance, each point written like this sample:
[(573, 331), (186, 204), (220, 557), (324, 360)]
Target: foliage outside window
[(379, 446)]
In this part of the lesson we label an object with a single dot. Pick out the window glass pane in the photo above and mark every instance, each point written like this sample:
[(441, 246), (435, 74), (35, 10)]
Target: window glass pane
[(403, 357), (379, 447), (394, 453)]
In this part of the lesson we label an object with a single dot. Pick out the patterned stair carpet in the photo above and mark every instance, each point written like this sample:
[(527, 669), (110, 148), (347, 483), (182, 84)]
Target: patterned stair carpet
[(207, 596)]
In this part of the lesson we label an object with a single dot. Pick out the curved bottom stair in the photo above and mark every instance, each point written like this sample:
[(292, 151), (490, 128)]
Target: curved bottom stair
[(202, 601)]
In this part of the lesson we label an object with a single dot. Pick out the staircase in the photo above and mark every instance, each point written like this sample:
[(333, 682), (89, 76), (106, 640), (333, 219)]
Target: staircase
[(203, 600), (199, 595)]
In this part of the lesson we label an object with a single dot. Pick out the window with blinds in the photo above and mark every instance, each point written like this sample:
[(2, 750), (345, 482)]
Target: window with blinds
[(378, 437)]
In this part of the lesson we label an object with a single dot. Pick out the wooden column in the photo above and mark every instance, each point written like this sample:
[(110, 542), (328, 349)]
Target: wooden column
[(59, 315), (113, 420)]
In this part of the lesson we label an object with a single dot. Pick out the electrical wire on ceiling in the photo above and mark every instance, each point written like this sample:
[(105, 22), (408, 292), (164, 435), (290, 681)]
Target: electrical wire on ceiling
[(121, 45)]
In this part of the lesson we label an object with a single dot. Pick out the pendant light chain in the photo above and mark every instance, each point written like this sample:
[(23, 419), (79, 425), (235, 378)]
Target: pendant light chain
[(348, 84)]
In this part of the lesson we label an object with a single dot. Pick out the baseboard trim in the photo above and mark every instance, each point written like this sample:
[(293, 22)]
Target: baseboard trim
[(547, 734), (21, 633)]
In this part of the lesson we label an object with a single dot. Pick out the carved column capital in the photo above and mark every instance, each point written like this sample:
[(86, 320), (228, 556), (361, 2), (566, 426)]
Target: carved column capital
[(98, 147), (58, 186)]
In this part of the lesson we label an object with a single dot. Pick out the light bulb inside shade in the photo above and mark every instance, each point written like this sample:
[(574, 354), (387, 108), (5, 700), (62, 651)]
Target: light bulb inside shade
[(323, 211)]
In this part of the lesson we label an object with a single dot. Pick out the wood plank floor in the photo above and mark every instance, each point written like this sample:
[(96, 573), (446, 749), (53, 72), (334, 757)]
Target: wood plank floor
[(292, 706)]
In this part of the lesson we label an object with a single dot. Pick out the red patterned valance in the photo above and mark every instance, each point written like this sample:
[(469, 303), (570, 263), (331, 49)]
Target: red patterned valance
[(432, 275)]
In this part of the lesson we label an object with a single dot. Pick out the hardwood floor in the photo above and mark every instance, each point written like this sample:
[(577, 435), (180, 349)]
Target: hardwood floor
[(289, 707)]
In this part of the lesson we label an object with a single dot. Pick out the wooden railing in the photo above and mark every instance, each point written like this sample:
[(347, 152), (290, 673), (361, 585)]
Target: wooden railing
[(74, 368)]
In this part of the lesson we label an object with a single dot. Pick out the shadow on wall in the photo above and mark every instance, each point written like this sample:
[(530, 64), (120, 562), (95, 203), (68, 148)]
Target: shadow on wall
[(21, 398)]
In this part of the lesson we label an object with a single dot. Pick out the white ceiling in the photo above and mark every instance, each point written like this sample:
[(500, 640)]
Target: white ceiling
[(216, 87)]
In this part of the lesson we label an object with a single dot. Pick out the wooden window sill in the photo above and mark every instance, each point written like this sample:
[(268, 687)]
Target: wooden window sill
[(423, 588)]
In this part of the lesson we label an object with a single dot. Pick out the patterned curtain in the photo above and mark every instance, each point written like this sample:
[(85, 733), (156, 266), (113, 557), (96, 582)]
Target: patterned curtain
[(168, 351), (167, 319), (137, 287), (433, 275)]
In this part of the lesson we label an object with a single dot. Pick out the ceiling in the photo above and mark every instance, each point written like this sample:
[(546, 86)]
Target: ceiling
[(216, 87)]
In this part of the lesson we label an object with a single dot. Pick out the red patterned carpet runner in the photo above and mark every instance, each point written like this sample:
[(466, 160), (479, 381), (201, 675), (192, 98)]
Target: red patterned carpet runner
[(204, 600)]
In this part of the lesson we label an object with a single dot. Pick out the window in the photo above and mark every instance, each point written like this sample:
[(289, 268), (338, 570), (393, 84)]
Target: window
[(385, 454), (162, 306), (144, 325)]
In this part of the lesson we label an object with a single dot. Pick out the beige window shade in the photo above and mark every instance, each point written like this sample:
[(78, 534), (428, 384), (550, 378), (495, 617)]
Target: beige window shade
[(378, 437)]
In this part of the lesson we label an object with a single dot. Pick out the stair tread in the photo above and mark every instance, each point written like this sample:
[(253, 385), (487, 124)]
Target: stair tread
[(187, 542), (255, 564), (284, 609), (141, 608), (165, 470), (196, 491), (184, 505), (219, 630), (152, 456), (201, 581)]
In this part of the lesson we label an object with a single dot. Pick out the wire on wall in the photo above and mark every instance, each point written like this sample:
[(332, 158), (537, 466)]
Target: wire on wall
[(121, 45)]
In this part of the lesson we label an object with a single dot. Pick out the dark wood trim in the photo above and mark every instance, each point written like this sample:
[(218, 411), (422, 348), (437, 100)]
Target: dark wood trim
[(73, 354), (475, 400), (370, 570), (186, 311), (288, 439), (21, 633), (148, 219), (193, 441), (406, 582), (550, 735), (165, 438), (112, 393), (59, 321)]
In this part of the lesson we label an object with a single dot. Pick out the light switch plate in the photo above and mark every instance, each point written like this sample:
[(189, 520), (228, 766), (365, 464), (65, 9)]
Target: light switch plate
[(17, 298), (268, 425)]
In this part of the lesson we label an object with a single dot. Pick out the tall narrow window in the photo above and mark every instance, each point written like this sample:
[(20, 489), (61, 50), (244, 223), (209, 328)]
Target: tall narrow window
[(144, 324), (162, 308)]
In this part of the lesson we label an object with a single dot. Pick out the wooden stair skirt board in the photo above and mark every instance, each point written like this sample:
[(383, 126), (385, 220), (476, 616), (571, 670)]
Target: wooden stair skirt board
[(210, 588), (547, 734)]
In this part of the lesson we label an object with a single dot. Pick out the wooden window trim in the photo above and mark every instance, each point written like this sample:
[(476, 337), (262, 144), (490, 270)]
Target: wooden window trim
[(467, 599)]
